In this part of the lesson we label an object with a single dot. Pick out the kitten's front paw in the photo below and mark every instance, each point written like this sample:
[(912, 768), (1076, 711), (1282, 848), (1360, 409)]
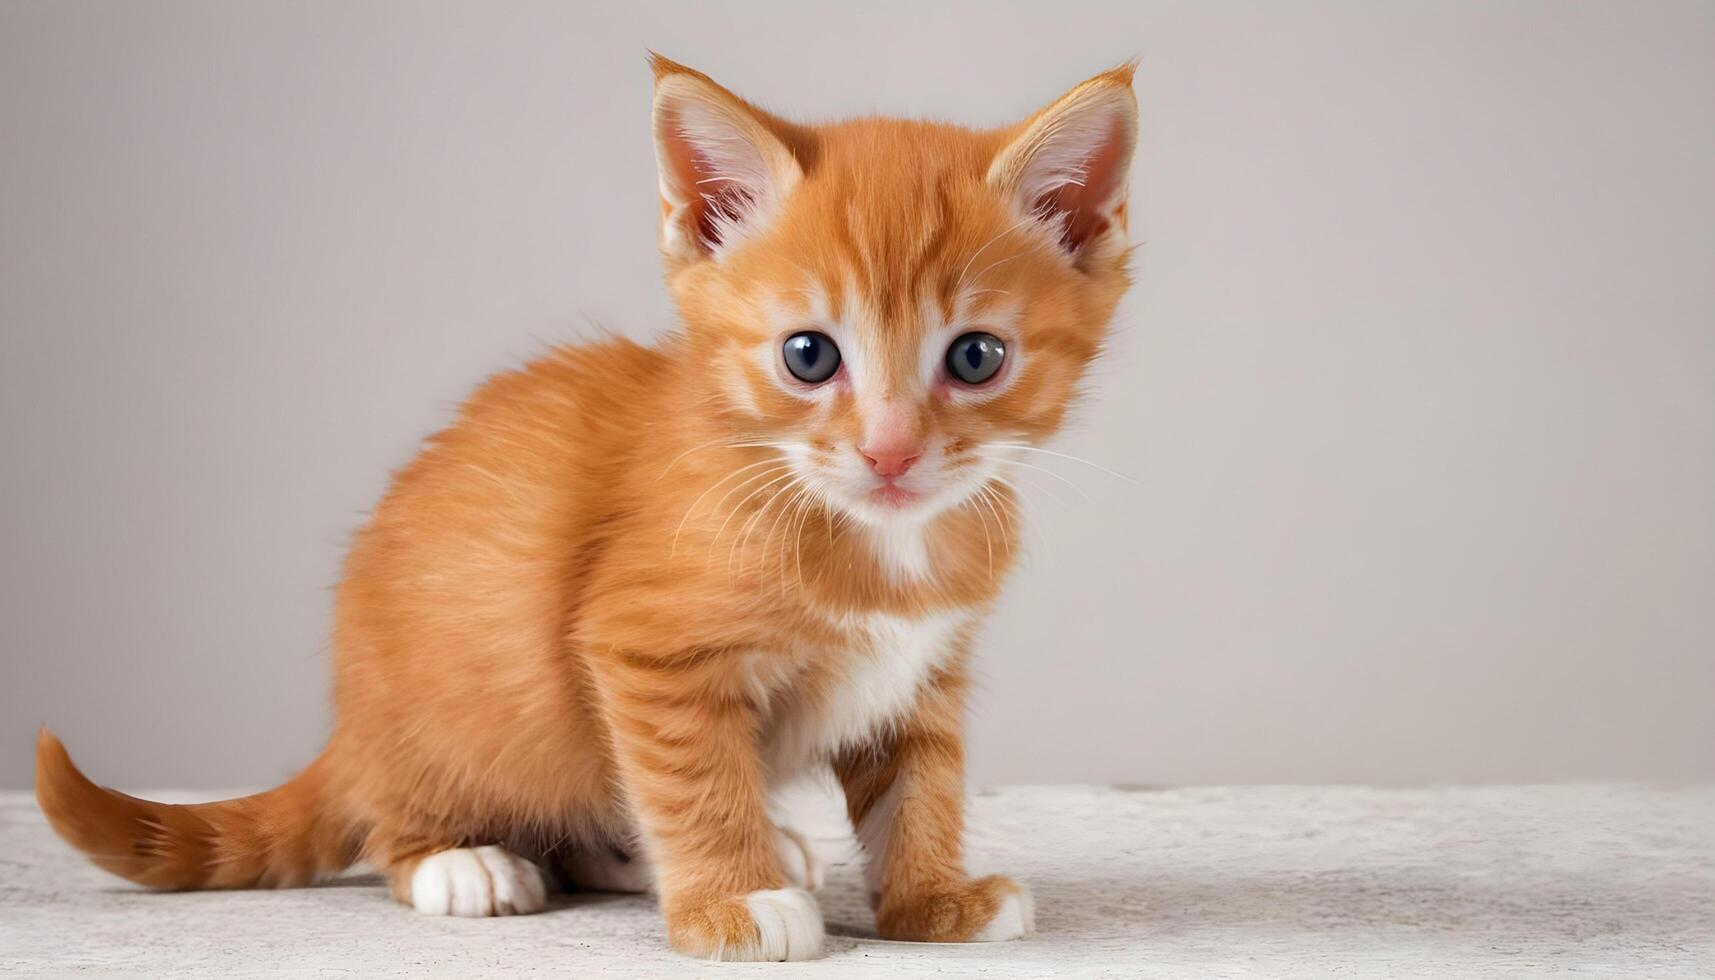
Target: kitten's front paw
[(983, 910), (777, 924), (798, 860), (477, 881)]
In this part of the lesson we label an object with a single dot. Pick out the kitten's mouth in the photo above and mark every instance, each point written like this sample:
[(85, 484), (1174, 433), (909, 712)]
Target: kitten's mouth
[(893, 495)]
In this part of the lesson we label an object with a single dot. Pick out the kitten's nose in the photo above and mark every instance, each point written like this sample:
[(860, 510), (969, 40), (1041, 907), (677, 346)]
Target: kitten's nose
[(891, 461)]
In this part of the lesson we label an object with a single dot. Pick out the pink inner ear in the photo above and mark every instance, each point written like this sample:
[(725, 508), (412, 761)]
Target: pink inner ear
[(1085, 203), (717, 202), (717, 196), (722, 205)]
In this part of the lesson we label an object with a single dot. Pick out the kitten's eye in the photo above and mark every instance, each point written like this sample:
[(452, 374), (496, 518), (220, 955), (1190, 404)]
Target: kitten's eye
[(811, 357), (975, 357)]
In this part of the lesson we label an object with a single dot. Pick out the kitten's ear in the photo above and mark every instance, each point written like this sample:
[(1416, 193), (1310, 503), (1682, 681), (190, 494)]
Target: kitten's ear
[(724, 173), (1068, 165)]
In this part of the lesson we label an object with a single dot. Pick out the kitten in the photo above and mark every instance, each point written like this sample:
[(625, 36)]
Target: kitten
[(631, 589)]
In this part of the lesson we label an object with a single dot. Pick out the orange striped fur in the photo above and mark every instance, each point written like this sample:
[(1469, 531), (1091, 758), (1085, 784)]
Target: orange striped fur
[(633, 589)]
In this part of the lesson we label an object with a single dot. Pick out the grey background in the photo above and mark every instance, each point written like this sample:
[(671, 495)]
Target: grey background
[(1418, 384)]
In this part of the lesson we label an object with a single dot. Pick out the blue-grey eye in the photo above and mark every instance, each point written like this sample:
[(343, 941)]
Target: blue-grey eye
[(975, 357), (811, 357)]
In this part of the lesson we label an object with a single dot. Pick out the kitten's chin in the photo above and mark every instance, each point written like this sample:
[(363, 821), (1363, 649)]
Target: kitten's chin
[(877, 514)]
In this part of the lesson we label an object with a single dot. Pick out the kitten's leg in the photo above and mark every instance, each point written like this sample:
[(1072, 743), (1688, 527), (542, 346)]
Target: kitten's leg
[(467, 881), (905, 796), (687, 753)]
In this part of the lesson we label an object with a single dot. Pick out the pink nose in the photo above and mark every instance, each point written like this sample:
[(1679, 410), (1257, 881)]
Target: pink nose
[(891, 461)]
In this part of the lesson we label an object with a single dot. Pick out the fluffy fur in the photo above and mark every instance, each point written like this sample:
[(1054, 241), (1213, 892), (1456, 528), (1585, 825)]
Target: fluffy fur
[(633, 588)]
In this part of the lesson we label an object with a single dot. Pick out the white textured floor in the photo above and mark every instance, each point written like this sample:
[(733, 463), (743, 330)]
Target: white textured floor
[(1609, 881)]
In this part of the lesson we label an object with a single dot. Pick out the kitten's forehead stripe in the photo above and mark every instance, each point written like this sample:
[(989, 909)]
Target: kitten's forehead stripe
[(898, 191)]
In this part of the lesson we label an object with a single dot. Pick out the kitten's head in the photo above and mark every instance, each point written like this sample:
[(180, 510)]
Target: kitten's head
[(893, 305)]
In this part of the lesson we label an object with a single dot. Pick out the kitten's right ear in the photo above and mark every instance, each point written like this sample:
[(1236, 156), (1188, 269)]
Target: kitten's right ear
[(1067, 166), (724, 173)]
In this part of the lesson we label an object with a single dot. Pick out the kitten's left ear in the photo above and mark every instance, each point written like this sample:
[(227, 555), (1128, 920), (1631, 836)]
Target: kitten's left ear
[(1068, 165), (724, 172)]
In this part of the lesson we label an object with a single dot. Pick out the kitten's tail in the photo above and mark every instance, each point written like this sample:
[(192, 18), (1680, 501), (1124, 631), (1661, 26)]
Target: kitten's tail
[(285, 837)]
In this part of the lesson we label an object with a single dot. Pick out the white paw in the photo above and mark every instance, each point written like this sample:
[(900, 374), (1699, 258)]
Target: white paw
[(477, 881), (798, 860), (1015, 918), (788, 925), (606, 869)]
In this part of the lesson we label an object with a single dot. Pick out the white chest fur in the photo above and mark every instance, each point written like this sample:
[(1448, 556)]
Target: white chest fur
[(872, 685)]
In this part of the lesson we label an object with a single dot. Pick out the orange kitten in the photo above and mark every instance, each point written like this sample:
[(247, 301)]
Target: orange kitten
[(632, 589)]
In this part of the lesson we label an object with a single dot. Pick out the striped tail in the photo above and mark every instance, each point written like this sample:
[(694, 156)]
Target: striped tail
[(278, 839)]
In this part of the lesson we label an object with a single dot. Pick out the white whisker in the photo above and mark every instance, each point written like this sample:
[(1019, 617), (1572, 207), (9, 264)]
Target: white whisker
[(1076, 459), (1019, 488), (1029, 528), (799, 489), (987, 497), (689, 510), (693, 449), (988, 540), (1058, 476), (740, 506)]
